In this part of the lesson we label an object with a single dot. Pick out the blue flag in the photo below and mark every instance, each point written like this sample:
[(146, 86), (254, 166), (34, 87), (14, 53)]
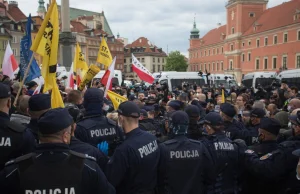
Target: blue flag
[(25, 55)]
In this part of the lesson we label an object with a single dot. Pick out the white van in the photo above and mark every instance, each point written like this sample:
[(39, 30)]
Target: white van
[(174, 79), (227, 80), (157, 75), (258, 78), (292, 77), (118, 76)]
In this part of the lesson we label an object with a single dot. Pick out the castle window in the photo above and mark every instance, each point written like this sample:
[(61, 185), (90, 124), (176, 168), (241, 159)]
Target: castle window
[(231, 47), (243, 44), (232, 30), (274, 62), (243, 57), (285, 37), (257, 64), (266, 41), (298, 35), (222, 66), (284, 62), (249, 43), (266, 63), (275, 39), (249, 56), (251, 15), (298, 61), (257, 43), (230, 65), (222, 49)]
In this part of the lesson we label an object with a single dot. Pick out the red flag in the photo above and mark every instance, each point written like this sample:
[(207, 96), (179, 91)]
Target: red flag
[(141, 71), (9, 64), (108, 75)]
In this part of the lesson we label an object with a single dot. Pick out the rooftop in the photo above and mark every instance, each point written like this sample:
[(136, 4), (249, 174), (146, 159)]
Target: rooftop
[(144, 43), (214, 36)]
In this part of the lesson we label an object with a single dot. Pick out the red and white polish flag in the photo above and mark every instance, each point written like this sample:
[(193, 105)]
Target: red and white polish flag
[(9, 64), (141, 71), (70, 82), (108, 75)]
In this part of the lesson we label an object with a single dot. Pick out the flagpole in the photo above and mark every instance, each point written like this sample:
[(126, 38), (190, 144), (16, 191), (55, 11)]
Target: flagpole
[(24, 78)]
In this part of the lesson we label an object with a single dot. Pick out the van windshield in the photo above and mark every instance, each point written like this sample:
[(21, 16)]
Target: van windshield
[(226, 84), (264, 81), (247, 83), (178, 82)]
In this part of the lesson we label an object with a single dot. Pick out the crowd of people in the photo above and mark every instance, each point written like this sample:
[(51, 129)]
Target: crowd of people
[(194, 139)]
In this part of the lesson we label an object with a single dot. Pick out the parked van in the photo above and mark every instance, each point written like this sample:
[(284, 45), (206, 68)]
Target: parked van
[(175, 79), (157, 75), (256, 79), (292, 77), (118, 77), (227, 80)]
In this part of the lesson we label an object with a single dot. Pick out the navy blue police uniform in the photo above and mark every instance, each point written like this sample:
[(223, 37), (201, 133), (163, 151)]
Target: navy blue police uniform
[(147, 124), (15, 139), (53, 167), (264, 147), (195, 130), (133, 167), (235, 129), (82, 147), (278, 166), (185, 164), (225, 154), (37, 103), (95, 128), (253, 129)]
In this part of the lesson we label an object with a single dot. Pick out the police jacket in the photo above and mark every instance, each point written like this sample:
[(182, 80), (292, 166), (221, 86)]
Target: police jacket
[(148, 125), (53, 168), (225, 155), (85, 148), (96, 129), (277, 166), (262, 186), (133, 167), (236, 130), (32, 126), (185, 167), (15, 140)]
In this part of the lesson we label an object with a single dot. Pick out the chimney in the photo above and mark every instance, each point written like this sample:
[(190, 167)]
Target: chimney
[(219, 25)]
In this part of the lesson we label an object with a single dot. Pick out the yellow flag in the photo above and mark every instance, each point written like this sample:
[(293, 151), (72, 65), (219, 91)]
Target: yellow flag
[(56, 99), (223, 96), (104, 56), (116, 99), (89, 75), (46, 45), (79, 61)]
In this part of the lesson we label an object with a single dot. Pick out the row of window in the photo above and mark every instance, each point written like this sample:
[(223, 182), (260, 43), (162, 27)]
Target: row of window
[(266, 43), (215, 51), (284, 63), (216, 66), (142, 60)]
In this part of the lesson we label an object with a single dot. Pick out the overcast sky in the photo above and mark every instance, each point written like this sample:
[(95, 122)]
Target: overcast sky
[(163, 22)]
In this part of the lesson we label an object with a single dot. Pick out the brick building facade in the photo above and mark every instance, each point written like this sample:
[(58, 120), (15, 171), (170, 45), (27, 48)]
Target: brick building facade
[(254, 39)]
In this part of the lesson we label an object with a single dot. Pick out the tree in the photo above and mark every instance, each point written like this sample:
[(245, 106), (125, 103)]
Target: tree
[(176, 62)]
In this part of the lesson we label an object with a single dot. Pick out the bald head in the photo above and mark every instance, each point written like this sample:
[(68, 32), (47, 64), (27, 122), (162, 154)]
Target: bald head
[(23, 104), (294, 104), (202, 97)]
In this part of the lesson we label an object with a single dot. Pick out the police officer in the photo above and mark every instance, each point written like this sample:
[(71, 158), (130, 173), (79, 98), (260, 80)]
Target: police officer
[(95, 128), (53, 168), (255, 119), (15, 139), (146, 123), (195, 130), (38, 104), (268, 132), (233, 128), (278, 166), (82, 147), (225, 154), (133, 167), (185, 164)]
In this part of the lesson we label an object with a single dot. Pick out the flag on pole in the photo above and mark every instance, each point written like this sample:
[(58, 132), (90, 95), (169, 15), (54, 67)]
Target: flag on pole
[(9, 64), (116, 99), (79, 64), (141, 71), (46, 45), (56, 100), (223, 96), (108, 75), (104, 56), (26, 54)]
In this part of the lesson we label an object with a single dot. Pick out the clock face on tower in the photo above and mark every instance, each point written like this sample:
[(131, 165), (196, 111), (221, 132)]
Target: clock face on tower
[(232, 15)]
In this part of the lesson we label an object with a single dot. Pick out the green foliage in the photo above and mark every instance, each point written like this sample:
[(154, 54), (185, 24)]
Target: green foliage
[(176, 62)]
